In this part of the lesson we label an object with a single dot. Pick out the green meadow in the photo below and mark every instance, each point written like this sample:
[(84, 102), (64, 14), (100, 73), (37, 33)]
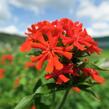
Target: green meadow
[(18, 81)]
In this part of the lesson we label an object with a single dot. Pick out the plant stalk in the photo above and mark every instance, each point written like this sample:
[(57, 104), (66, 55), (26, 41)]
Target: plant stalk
[(63, 100)]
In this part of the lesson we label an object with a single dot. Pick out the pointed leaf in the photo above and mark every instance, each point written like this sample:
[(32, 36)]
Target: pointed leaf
[(37, 85), (25, 102), (98, 67), (90, 91)]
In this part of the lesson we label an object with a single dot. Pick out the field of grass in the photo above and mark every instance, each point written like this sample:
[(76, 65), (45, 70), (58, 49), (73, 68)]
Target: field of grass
[(105, 54), (19, 81)]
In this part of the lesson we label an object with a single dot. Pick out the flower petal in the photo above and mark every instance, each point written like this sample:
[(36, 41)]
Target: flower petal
[(63, 78), (64, 53), (26, 46), (57, 63), (69, 48), (38, 45), (59, 81), (98, 78), (48, 76), (40, 62), (35, 58), (50, 65), (76, 89), (79, 46)]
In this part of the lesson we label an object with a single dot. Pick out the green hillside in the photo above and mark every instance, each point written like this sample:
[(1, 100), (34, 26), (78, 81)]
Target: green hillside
[(11, 38), (103, 42)]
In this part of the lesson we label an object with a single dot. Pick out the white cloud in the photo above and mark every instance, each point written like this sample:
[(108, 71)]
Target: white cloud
[(96, 12), (39, 6), (100, 25), (26, 4), (99, 29), (4, 10), (9, 29), (99, 15)]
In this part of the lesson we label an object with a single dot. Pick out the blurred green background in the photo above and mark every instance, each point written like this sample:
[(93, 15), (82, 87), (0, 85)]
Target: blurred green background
[(19, 79)]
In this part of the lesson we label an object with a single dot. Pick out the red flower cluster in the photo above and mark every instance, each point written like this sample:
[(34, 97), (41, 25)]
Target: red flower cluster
[(29, 64), (57, 42), (2, 71), (94, 74), (6, 57), (59, 75)]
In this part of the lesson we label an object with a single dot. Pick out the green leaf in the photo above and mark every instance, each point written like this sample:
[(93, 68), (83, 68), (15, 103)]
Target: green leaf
[(98, 67), (43, 90), (100, 61), (84, 86), (49, 88), (37, 85), (46, 88), (90, 91), (25, 102)]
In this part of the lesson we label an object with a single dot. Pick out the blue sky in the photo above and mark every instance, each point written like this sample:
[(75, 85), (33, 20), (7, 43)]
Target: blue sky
[(17, 15)]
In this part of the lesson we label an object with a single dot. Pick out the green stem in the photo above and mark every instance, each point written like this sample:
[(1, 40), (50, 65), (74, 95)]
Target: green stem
[(53, 98), (63, 100)]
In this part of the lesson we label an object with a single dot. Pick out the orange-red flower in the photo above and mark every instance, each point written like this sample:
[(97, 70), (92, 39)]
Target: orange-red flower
[(56, 39), (76, 89), (51, 53), (75, 34), (60, 76), (94, 74), (6, 57), (58, 43), (29, 64), (46, 38), (2, 71)]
